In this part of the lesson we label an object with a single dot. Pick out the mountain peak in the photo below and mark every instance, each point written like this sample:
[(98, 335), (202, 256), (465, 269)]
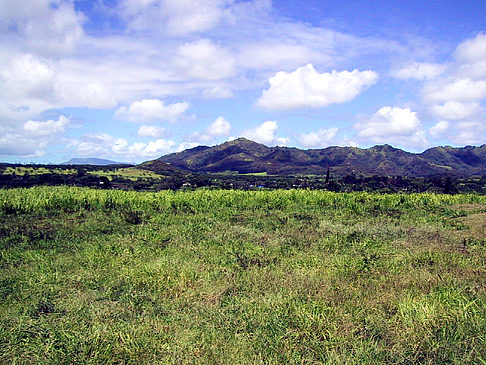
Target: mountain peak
[(383, 147), (242, 140)]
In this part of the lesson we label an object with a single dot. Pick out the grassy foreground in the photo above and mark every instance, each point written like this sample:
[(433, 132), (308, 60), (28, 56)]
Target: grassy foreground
[(226, 277)]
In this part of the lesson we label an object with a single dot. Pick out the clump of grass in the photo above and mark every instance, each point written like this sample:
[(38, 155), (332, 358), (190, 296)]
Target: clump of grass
[(101, 276)]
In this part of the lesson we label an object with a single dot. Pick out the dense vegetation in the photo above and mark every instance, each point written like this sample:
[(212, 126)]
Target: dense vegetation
[(246, 156), (214, 276), (166, 177)]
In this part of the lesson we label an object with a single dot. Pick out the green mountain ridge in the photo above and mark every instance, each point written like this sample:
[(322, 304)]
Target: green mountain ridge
[(245, 156)]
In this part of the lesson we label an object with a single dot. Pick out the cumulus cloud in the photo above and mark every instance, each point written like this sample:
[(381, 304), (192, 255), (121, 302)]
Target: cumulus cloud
[(204, 60), (26, 75), (35, 84), (307, 88), (46, 128), (48, 27), (219, 128), (151, 131), (187, 145), (420, 71), (32, 138), (464, 90), (12, 144), (265, 133), (187, 49), (439, 129), (107, 146), (471, 58), (472, 50), (151, 149), (148, 110), (393, 125), (282, 141), (457, 96), (455, 110), (321, 138)]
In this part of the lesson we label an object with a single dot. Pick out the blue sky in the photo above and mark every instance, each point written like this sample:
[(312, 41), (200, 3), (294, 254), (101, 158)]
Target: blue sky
[(131, 80)]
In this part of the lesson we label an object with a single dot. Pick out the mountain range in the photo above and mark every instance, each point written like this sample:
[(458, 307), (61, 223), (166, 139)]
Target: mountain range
[(244, 156)]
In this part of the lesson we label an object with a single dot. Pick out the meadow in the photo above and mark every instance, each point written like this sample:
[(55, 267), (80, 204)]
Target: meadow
[(241, 277), (110, 172)]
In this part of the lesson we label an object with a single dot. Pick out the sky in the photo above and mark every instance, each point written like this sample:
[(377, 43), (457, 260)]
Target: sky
[(132, 80)]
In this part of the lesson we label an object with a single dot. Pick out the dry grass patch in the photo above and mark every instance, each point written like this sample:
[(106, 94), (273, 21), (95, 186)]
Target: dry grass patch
[(469, 207), (476, 224)]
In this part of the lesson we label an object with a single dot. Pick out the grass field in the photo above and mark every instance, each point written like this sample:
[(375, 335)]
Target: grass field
[(21, 170), (131, 173), (233, 277)]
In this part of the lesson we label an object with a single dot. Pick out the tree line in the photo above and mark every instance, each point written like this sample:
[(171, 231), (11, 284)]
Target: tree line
[(347, 183)]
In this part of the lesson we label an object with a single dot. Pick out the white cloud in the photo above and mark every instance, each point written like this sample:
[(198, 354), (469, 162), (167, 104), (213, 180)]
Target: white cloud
[(307, 88), (204, 60), (186, 49), (472, 70), (268, 44), (46, 128), (186, 145), (457, 96), (217, 92), (393, 125), (472, 50), (471, 57), (152, 149), (175, 17), (219, 128), (47, 60), (32, 138), (420, 71), (151, 131), (75, 91), (321, 138), (27, 75), (456, 110), (469, 133), (439, 129), (265, 133), (17, 145), (106, 146), (148, 110), (464, 90), (37, 84), (99, 144), (48, 27), (282, 141), (276, 54)]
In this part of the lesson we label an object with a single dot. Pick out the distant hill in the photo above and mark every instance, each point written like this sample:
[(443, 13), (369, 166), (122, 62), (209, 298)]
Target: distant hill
[(163, 168), (92, 161), (245, 156)]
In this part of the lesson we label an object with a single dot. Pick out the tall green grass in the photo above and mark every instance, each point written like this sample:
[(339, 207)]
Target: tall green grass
[(40, 199), (250, 277)]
